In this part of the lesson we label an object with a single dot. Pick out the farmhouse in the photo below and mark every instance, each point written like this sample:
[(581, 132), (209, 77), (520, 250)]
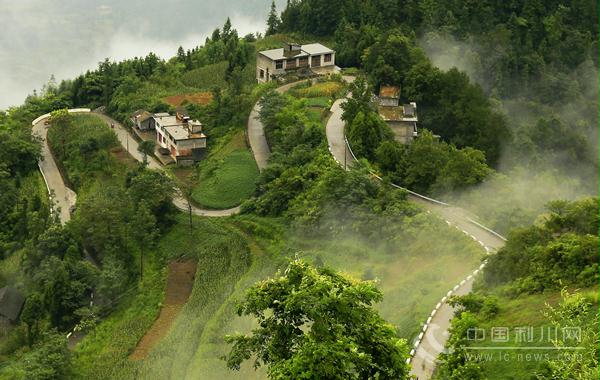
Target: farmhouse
[(11, 304), (311, 57), (402, 119), (177, 135), (142, 120), (181, 136)]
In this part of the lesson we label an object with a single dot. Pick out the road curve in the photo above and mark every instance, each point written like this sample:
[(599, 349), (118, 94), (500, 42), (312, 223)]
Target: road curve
[(65, 198), (131, 145), (256, 132), (60, 194), (434, 335)]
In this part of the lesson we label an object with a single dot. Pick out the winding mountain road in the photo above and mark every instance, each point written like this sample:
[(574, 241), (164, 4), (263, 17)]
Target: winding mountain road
[(256, 132), (131, 145), (432, 340), (61, 195), (65, 198)]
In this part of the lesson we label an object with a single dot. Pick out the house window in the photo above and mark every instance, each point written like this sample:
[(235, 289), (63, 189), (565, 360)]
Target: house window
[(262, 74), (327, 58), (279, 65)]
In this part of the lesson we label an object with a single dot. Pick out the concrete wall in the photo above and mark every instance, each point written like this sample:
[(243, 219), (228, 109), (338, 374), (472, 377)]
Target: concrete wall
[(264, 63), (403, 131)]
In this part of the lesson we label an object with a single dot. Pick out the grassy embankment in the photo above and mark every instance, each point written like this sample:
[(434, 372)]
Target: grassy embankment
[(524, 311)]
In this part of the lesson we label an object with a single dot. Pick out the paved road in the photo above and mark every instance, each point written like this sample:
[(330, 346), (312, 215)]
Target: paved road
[(256, 133), (131, 144), (436, 334), (63, 197)]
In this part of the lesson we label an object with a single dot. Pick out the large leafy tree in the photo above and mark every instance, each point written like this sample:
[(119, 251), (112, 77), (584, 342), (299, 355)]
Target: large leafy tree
[(315, 323), (366, 132)]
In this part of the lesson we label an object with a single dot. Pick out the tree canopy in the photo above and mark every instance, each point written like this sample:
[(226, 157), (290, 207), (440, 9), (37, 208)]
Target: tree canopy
[(318, 324)]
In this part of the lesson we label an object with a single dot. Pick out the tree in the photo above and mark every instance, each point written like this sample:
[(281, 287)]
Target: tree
[(50, 359), (146, 147), (272, 21), (360, 101), (62, 121), (366, 132), (32, 314), (577, 312), (318, 324)]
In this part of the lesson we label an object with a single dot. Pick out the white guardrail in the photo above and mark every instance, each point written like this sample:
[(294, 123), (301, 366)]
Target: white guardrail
[(451, 292)]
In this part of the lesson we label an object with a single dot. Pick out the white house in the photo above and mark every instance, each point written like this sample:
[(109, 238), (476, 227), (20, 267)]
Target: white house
[(275, 62), (181, 136)]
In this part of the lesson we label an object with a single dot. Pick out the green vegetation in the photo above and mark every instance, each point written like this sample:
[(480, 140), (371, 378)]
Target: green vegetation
[(207, 76), (305, 335), (518, 285), (533, 60), (228, 176), (427, 165), (82, 144)]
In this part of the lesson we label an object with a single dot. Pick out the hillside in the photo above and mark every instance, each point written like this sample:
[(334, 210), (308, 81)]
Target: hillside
[(311, 237)]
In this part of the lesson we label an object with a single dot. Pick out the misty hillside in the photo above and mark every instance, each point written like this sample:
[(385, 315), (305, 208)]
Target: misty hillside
[(303, 189), (64, 39)]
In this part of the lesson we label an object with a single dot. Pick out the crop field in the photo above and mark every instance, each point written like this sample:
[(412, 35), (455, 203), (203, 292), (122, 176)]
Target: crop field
[(226, 177), (86, 152), (317, 90), (413, 270)]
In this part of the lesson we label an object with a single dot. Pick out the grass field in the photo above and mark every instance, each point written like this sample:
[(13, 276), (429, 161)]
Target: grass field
[(414, 272), (227, 176)]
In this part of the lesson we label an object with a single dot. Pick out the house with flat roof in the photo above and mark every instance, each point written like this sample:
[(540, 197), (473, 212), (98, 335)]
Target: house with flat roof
[(402, 119), (275, 62), (177, 136), (181, 136)]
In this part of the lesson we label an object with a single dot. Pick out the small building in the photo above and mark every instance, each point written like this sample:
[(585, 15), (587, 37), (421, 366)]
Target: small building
[(181, 136), (402, 119), (273, 63), (142, 120), (11, 305)]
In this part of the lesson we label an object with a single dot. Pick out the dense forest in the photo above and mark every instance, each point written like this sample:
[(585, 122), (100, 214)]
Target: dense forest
[(513, 126)]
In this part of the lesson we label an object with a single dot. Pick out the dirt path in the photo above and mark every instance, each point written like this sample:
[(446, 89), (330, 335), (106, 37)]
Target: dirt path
[(180, 282)]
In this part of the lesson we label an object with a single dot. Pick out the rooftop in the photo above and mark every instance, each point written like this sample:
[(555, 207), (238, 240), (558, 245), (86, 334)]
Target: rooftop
[(180, 132), (309, 49), (397, 113), (142, 115), (389, 92)]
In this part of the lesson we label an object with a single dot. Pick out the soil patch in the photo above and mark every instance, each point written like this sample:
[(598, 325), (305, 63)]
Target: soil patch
[(197, 98), (180, 282)]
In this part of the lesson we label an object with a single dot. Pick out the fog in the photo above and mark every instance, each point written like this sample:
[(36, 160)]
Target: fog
[(64, 38), (527, 183)]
